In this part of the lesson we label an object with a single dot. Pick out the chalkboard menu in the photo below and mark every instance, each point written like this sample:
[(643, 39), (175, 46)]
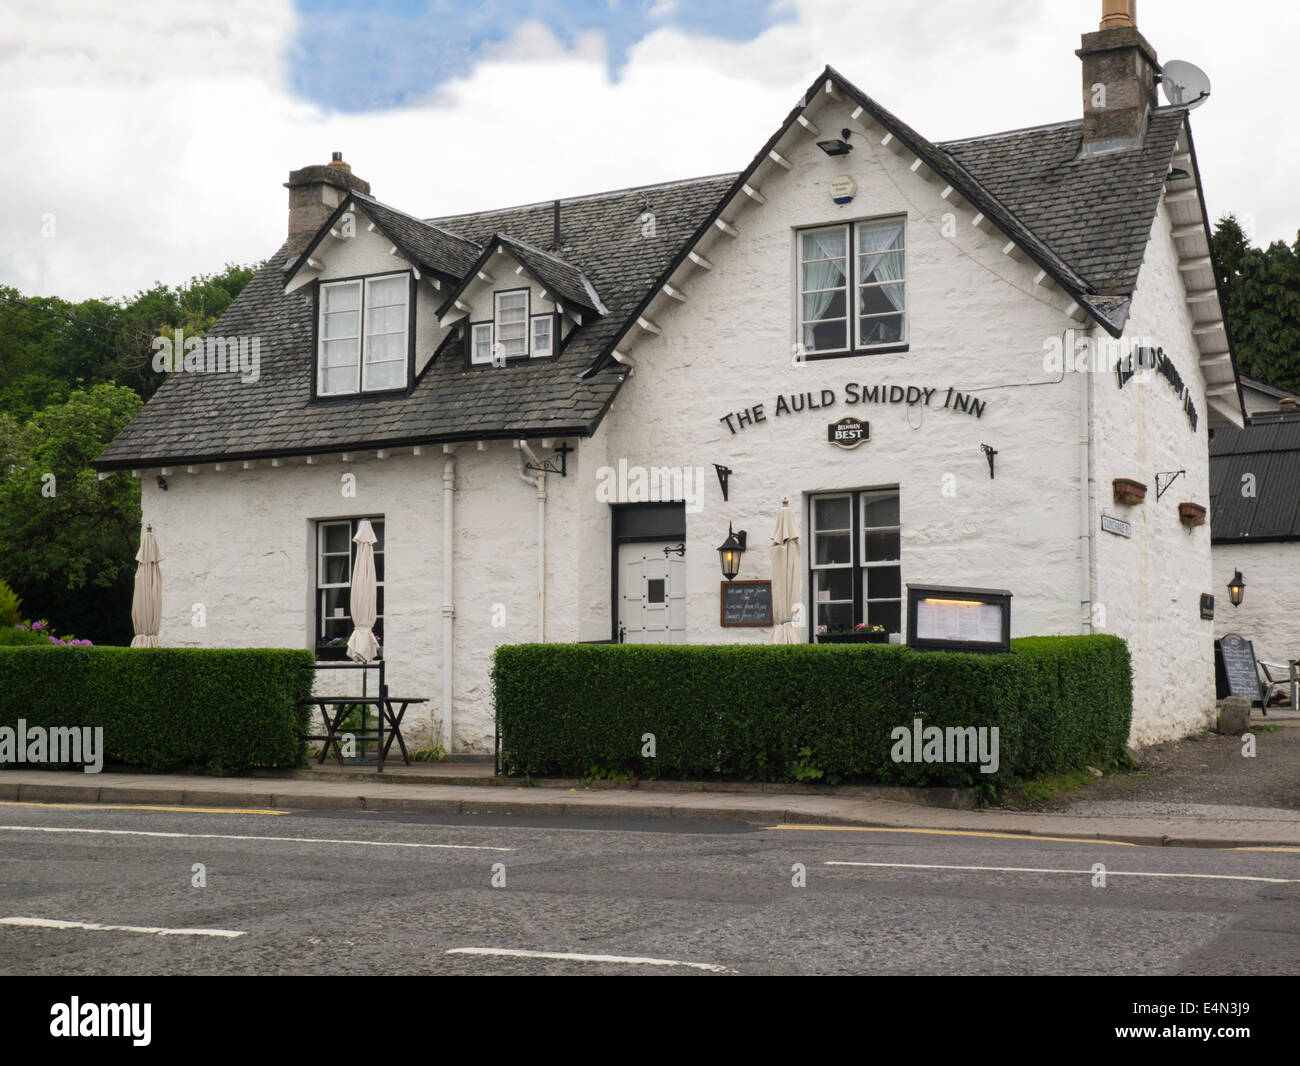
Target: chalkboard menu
[(1235, 672), (746, 603)]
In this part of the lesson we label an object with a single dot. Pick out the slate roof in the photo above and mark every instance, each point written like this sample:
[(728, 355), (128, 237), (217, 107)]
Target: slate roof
[(204, 417), (1271, 452), (1096, 211), (557, 276), (1085, 222), (434, 247)]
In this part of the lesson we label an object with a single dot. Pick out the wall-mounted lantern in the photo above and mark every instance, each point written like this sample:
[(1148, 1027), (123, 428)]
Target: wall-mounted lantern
[(730, 551), (1236, 589)]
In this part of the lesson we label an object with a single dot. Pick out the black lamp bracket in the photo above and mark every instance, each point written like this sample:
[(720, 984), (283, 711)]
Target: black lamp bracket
[(724, 472), (1170, 477), (559, 464), (989, 453)]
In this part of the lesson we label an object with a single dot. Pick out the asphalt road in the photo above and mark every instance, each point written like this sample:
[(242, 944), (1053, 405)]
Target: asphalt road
[(332, 893)]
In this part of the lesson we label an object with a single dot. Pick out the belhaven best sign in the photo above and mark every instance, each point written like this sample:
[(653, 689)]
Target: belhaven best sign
[(848, 432)]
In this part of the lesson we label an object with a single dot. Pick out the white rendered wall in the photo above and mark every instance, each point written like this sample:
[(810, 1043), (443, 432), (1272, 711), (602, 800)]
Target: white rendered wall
[(1269, 615), (1148, 588), (241, 543), (976, 321)]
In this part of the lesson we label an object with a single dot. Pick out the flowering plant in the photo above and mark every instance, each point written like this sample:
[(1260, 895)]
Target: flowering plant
[(41, 628), (862, 627)]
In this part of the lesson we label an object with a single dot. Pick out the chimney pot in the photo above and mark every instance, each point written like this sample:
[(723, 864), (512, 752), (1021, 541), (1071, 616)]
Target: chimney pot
[(1118, 13)]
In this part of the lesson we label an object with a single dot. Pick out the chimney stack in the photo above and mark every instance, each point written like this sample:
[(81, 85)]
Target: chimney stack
[(314, 193), (1119, 80)]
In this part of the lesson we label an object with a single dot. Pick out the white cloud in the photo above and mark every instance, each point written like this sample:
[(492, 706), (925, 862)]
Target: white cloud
[(160, 138)]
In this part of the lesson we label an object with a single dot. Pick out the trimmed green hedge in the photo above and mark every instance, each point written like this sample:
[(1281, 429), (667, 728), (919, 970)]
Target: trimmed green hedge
[(748, 711), (220, 709)]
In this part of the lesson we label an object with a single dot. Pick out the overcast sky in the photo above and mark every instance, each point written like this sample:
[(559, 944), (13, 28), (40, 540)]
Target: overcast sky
[(148, 140)]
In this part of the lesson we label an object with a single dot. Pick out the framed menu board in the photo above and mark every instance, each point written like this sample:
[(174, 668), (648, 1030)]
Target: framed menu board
[(746, 603), (956, 618)]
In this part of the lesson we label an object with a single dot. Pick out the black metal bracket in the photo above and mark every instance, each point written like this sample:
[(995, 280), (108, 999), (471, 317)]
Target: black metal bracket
[(989, 453), (1172, 476), (679, 550), (724, 472), (547, 466)]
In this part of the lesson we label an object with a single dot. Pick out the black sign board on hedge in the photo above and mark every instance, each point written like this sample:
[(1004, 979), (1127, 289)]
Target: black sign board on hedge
[(952, 618), (1235, 672), (746, 603)]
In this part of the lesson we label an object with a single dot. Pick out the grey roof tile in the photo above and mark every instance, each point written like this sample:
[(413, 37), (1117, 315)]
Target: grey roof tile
[(1087, 220)]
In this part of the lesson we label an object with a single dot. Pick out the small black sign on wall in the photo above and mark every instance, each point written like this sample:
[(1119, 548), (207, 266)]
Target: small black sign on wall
[(848, 432), (1207, 605)]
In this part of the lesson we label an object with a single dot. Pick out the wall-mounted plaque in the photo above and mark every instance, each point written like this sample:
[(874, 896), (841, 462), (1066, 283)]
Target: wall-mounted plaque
[(746, 603), (954, 618), (848, 432), (1116, 526)]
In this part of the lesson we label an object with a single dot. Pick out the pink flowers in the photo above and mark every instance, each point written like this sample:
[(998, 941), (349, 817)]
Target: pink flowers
[(42, 627)]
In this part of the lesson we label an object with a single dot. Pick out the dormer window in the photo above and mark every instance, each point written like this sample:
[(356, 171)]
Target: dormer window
[(364, 332), (511, 322), (514, 332)]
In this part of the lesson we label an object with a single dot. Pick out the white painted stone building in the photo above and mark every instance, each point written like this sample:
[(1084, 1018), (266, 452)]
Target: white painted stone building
[(535, 402), (1255, 503)]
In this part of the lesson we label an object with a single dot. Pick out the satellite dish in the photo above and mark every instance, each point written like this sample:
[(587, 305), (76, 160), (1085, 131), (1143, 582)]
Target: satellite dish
[(1184, 84)]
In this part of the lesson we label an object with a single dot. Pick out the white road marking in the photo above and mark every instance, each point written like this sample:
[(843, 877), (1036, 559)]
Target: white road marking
[(237, 836), (52, 923), (565, 956), (1081, 873)]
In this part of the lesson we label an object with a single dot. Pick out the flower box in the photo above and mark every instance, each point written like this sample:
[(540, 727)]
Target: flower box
[(1191, 514), (852, 638), (331, 653), (1129, 492)]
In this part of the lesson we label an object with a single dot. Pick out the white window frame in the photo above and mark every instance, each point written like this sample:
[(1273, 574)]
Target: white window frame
[(323, 586), (366, 362), (474, 329), (814, 565), (897, 564), (363, 363), (325, 288), (853, 286), (536, 351), (496, 321)]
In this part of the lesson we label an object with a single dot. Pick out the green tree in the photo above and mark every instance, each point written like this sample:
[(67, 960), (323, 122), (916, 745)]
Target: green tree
[(70, 539), (1261, 289), (100, 341)]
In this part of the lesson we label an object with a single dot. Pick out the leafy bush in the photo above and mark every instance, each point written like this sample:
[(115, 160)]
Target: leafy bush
[(9, 605), (220, 709), (810, 712)]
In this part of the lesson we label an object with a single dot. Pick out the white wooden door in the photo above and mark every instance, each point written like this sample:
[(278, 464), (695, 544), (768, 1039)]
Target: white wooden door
[(652, 593)]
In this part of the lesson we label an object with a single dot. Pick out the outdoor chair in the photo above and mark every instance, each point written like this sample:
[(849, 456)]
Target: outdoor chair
[(1277, 681)]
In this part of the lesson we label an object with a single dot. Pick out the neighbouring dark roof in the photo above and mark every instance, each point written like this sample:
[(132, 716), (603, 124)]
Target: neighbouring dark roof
[(1270, 452), (1085, 222), (1266, 388), (1095, 212)]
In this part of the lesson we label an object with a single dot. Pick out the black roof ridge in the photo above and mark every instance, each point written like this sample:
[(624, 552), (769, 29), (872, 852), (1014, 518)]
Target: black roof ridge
[(415, 218), (500, 235), (730, 174)]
